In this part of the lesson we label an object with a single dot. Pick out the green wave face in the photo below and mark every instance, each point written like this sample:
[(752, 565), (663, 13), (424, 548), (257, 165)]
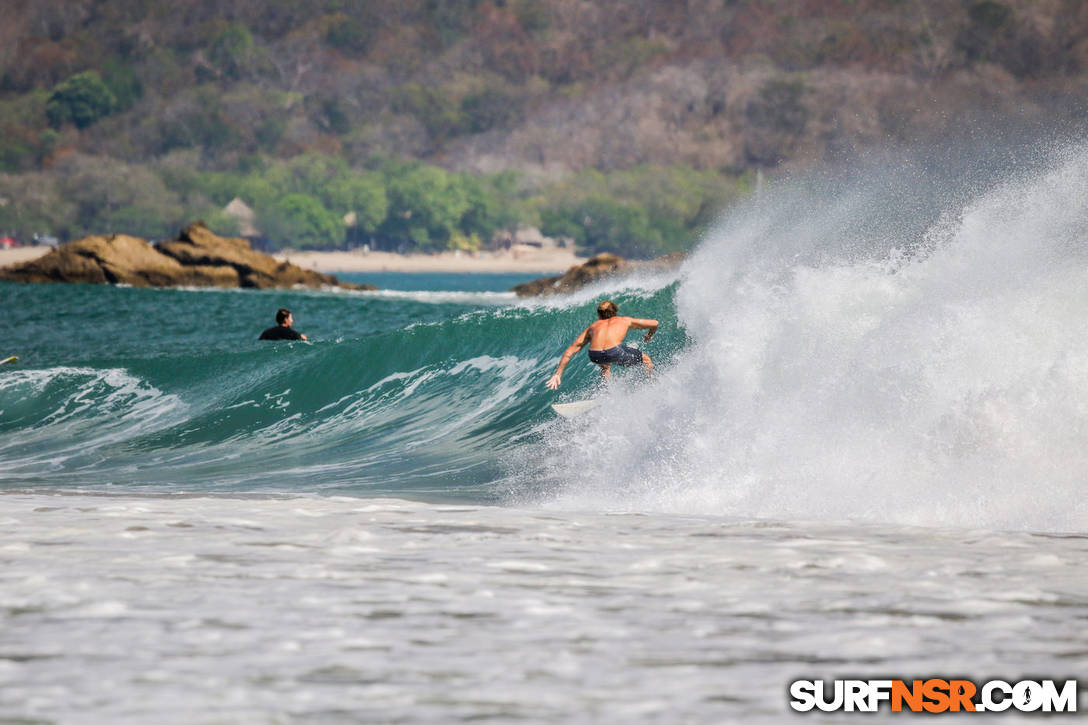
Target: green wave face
[(413, 393)]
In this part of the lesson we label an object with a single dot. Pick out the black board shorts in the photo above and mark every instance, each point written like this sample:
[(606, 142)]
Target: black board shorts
[(618, 355)]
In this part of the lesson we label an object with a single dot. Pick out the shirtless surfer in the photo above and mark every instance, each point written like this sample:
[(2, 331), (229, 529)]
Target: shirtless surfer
[(605, 338)]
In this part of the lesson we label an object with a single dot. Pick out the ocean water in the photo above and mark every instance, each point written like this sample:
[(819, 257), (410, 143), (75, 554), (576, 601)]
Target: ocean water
[(862, 454)]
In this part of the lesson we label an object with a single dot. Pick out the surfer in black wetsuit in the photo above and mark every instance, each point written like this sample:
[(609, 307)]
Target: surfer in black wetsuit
[(605, 338), (283, 329)]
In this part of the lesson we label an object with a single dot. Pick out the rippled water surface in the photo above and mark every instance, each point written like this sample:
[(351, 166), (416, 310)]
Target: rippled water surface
[(178, 609)]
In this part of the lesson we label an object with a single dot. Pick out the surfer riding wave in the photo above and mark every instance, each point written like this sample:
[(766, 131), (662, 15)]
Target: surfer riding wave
[(605, 340)]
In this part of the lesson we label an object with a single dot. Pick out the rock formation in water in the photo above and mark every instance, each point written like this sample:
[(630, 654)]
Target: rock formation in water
[(595, 268), (197, 258)]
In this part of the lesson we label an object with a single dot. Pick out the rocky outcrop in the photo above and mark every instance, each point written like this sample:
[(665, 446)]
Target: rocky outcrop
[(197, 246), (595, 268), (116, 259), (197, 258)]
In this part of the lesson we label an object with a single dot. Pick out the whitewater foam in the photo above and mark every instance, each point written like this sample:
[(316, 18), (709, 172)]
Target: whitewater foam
[(931, 379), (444, 297), (181, 609)]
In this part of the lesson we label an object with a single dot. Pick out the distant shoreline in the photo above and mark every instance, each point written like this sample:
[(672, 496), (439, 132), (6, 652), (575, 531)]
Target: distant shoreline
[(531, 261), (518, 260)]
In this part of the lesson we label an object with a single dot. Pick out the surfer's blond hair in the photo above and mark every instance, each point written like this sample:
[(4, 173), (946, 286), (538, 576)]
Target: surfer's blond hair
[(607, 309)]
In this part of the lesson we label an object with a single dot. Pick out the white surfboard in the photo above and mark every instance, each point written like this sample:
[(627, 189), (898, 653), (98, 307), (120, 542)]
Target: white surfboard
[(573, 410), (9, 360)]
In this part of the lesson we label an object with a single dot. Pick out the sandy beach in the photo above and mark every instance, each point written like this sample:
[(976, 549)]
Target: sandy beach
[(20, 254), (519, 259)]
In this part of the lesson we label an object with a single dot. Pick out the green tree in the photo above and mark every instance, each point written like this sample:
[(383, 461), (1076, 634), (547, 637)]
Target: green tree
[(112, 197), (33, 202), (15, 154), (437, 109), (47, 143), (640, 211), (232, 51), (491, 205), (300, 220), (310, 173), (362, 195), (676, 197), (426, 205), (81, 99), (602, 224), (125, 85)]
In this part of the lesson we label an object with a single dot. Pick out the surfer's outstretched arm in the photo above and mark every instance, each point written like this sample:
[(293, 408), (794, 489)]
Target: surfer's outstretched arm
[(579, 342), (650, 325)]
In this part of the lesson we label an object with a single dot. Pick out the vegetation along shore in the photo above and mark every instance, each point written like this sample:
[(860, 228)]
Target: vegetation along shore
[(420, 126)]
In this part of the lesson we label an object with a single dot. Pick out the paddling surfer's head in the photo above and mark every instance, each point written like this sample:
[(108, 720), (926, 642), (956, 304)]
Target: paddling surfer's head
[(283, 329), (607, 309)]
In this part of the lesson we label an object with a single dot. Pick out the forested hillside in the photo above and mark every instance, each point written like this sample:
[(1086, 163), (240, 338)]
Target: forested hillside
[(433, 124)]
